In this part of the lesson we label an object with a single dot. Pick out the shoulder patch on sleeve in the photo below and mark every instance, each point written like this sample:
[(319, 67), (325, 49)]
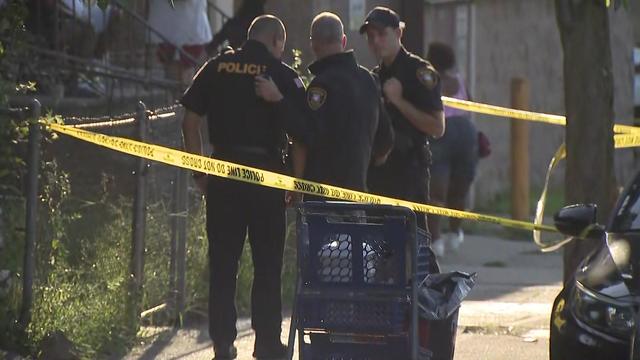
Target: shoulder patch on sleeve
[(316, 96), (427, 76)]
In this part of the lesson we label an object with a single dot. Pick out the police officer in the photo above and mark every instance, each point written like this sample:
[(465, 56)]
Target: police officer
[(411, 88), (245, 129), (348, 127)]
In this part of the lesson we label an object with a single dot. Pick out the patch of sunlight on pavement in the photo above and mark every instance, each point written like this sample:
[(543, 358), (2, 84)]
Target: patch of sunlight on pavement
[(504, 314)]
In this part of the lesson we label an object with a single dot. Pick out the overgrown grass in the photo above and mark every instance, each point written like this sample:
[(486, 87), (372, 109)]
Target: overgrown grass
[(501, 203), (83, 261), (83, 290), (197, 272)]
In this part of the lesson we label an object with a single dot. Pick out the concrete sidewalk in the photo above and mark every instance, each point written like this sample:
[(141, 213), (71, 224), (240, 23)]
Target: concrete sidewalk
[(505, 317), (516, 282), (507, 314)]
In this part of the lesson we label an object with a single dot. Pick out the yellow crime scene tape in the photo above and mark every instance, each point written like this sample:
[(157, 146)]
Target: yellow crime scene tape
[(522, 114), (261, 177), (620, 141), (627, 137)]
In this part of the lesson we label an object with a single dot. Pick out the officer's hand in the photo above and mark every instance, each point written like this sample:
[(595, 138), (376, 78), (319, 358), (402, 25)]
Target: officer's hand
[(392, 90), (267, 89)]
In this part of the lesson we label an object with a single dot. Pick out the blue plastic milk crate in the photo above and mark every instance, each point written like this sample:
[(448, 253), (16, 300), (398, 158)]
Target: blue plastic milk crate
[(359, 267)]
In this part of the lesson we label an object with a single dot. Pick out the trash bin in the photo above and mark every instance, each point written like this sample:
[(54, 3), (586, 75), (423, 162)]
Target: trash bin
[(439, 300)]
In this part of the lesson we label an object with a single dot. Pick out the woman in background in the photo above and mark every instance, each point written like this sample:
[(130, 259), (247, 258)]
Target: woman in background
[(186, 31), (454, 156)]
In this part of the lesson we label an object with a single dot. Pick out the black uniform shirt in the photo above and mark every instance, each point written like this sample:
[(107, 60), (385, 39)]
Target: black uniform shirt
[(224, 91), (405, 175), (347, 122), (421, 87)]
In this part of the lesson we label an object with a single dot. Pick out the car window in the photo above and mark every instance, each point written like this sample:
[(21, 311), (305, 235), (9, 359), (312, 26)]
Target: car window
[(636, 78), (636, 85), (627, 215)]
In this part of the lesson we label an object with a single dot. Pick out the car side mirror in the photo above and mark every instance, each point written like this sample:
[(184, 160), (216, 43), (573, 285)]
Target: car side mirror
[(578, 221)]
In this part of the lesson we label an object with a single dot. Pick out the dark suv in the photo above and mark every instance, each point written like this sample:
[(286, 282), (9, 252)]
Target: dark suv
[(595, 314)]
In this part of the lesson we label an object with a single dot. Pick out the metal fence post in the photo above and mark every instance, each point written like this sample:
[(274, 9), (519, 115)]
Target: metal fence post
[(173, 220), (139, 223), (173, 251), (181, 253), (33, 162)]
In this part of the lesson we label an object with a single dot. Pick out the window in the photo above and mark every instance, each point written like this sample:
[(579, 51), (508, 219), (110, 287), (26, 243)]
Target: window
[(627, 216), (636, 84)]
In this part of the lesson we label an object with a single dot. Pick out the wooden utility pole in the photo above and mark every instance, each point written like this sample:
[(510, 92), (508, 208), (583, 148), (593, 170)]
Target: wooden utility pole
[(519, 152), (588, 93)]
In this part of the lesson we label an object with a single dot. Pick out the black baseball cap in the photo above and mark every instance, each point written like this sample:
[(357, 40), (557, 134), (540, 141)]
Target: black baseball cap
[(382, 16)]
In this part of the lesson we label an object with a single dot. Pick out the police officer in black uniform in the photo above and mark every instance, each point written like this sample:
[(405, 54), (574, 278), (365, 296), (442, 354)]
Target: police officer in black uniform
[(411, 88), (348, 126), (246, 129)]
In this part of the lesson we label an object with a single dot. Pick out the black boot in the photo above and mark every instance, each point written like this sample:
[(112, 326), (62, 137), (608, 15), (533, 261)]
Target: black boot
[(225, 352), (271, 349)]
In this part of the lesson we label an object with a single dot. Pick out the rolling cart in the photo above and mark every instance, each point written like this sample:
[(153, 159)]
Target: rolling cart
[(359, 268)]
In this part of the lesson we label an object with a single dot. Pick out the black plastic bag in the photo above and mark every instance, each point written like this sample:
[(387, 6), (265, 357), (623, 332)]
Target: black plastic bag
[(440, 295)]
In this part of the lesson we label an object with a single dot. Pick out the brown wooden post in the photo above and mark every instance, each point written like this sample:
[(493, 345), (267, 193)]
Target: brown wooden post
[(519, 152)]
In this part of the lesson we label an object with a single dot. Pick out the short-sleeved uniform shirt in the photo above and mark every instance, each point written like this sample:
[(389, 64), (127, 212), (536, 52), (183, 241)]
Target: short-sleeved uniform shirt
[(347, 122), (224, 91), (405, 173)]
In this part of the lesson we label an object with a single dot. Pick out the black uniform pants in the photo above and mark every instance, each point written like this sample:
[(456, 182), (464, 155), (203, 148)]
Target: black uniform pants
[(407, 180), (233, 208)]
